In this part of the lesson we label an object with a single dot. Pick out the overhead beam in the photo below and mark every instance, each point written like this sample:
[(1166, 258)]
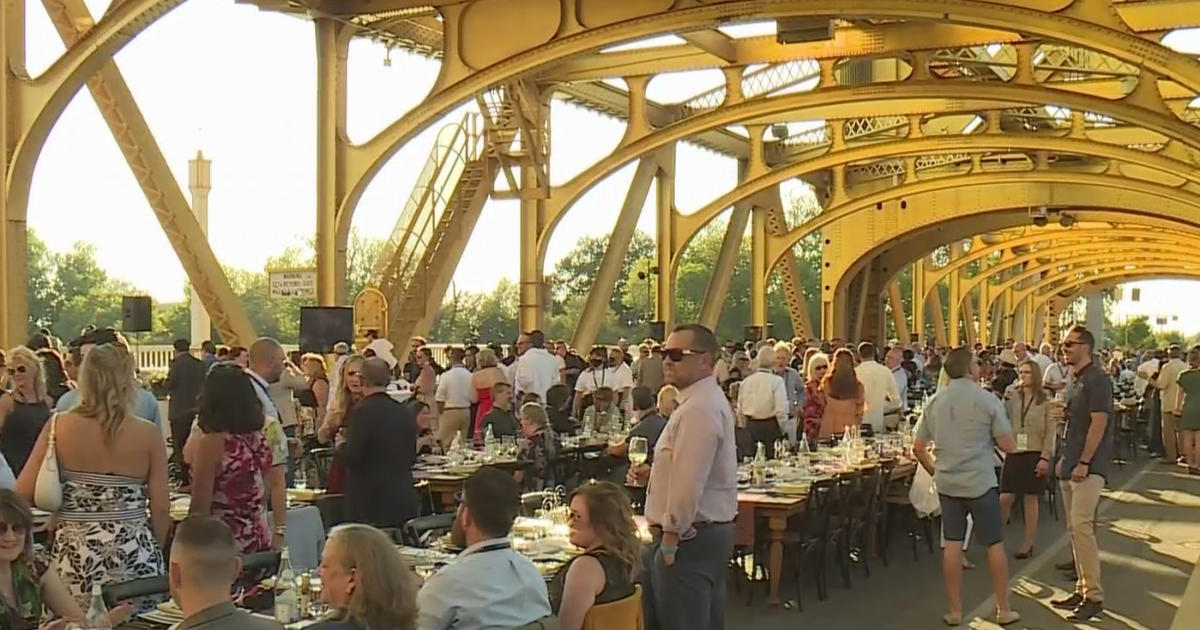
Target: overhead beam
[(860, 39), (71, 18), (715, 43), (598, 299)]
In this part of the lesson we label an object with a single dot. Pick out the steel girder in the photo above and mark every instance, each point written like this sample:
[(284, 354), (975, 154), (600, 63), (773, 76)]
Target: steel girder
[(1056, 240), (1114, 252), (950, 213), (549, 31), (912, 97), (1046, 290), (162, 190), (31, 107)]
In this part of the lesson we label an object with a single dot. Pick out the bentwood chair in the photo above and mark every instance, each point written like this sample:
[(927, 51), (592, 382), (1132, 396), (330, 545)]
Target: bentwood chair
[(625, 613)]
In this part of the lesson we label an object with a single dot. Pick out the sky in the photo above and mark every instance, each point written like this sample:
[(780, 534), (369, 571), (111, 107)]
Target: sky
[(239, 84)]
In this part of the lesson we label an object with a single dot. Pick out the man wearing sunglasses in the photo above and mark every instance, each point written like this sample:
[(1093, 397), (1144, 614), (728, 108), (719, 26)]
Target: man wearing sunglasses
[(1084, 458), (691, 499)]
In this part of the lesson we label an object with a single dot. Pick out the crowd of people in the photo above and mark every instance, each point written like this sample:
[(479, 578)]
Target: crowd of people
[(995, 424)]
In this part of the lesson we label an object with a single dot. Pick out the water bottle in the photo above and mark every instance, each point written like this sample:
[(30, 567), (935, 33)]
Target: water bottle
[(97, 613), (300, 478), (758, 468), (287, 604), (489, 443)]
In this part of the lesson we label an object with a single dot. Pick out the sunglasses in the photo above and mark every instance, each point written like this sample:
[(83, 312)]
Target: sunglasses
[(1068, 343), (677, 354), (821, 367), (18, 530), (353, 373), (20, 369)]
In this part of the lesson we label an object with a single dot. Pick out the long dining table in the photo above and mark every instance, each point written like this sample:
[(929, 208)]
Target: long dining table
[(776, 509)]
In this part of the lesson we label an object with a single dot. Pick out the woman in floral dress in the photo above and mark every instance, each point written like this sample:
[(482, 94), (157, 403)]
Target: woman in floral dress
[(114, 516), (232, 458)]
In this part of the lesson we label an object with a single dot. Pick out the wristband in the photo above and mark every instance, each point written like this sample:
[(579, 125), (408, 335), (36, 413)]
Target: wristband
[(1083, 463), (1043, 459), (668, 549)]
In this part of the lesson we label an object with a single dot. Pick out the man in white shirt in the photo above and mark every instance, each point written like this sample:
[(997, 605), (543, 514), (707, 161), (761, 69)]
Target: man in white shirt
[(1145, 370), (763, 402), (454, 400), (1057, 377), (623, 382), (879, 386), (1043, 357), (381, 347), (489, 586), (1167, 384), (597, 375), (537, 370), (894, 358)]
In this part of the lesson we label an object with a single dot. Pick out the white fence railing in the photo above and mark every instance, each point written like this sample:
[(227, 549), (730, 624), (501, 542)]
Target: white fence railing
[(158, 357)]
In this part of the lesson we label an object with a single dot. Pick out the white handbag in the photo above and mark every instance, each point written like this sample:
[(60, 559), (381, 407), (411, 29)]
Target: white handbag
[(47, 492)]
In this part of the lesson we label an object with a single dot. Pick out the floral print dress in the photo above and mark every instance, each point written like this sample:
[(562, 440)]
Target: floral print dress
[(239, 492), (104, 535)]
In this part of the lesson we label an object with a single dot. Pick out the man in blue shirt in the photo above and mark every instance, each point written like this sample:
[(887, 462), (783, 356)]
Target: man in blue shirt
[(145, 405), (489, 586), (964, 421)]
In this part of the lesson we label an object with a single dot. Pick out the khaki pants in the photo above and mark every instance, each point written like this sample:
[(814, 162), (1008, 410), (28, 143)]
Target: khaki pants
[(1170, 436), (453, 421), (1080, 500)]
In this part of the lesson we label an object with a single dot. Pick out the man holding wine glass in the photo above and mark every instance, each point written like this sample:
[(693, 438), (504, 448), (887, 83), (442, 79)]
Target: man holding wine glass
[(691, 499)]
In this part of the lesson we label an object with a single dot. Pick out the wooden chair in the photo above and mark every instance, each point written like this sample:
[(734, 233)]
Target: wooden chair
[(624, 613)]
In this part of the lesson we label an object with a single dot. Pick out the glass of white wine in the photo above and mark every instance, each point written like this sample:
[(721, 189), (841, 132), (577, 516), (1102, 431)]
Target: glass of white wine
[(639, 450)]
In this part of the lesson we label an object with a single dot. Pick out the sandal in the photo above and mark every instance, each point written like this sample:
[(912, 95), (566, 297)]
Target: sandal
[(952, 619)]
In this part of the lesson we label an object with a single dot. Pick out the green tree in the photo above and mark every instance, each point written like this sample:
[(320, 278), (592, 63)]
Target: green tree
[(69, 290), (1133, 333)]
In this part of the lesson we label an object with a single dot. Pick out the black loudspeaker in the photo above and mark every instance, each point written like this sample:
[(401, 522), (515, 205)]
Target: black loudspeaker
[(754, 333), (658, 331), (136, 314)]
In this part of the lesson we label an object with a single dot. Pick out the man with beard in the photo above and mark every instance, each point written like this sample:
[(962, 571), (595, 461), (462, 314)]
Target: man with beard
[(489, 585)]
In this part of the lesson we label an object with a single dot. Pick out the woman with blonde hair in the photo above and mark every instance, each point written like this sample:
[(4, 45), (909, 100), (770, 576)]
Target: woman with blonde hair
[(348, 394), (24, 410), (667, 401), (486, 374), (845, 398), (1025, 472), (113, 520), (365, 582), (539, 446), (314, 400), (601, 521), (813, 409)]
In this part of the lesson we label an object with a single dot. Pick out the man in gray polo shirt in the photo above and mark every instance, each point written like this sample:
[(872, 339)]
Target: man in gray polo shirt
[(1084, 458), (964, 421)]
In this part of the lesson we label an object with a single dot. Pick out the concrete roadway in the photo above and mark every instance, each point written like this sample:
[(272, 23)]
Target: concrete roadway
[(1149, 534)]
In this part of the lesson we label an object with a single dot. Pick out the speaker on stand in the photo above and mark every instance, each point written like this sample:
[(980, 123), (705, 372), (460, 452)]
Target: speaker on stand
[(136, 314)]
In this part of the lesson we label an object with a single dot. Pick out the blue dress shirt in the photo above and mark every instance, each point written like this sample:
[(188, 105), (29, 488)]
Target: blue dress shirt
[(488, 587)]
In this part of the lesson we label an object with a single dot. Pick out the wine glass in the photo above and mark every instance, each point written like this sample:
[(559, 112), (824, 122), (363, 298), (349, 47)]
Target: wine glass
[(639, 450)]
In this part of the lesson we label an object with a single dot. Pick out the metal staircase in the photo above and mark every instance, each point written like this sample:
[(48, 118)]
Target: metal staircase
[(417, 262)]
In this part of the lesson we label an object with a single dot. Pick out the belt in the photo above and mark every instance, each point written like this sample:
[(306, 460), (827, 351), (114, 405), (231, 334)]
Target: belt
[(457, 409), (768, 419), (696, 525)]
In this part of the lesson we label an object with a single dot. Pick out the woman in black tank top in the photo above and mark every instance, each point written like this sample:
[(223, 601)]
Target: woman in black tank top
[(24, 410), (602, 525)]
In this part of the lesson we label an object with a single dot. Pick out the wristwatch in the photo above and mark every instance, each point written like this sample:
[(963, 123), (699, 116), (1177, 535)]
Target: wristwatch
[(1083, 463), (280, 530)]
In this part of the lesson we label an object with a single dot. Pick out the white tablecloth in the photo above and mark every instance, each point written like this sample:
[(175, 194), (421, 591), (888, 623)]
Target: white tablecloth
[(305, 533), (305, 536)]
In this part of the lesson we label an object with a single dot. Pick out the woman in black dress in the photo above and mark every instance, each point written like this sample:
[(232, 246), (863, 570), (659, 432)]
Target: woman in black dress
[(602, 526), (1025, 471), (25, 409)]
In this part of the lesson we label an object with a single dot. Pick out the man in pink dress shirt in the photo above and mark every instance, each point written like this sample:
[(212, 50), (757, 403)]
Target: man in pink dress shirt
[(691, 499)]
